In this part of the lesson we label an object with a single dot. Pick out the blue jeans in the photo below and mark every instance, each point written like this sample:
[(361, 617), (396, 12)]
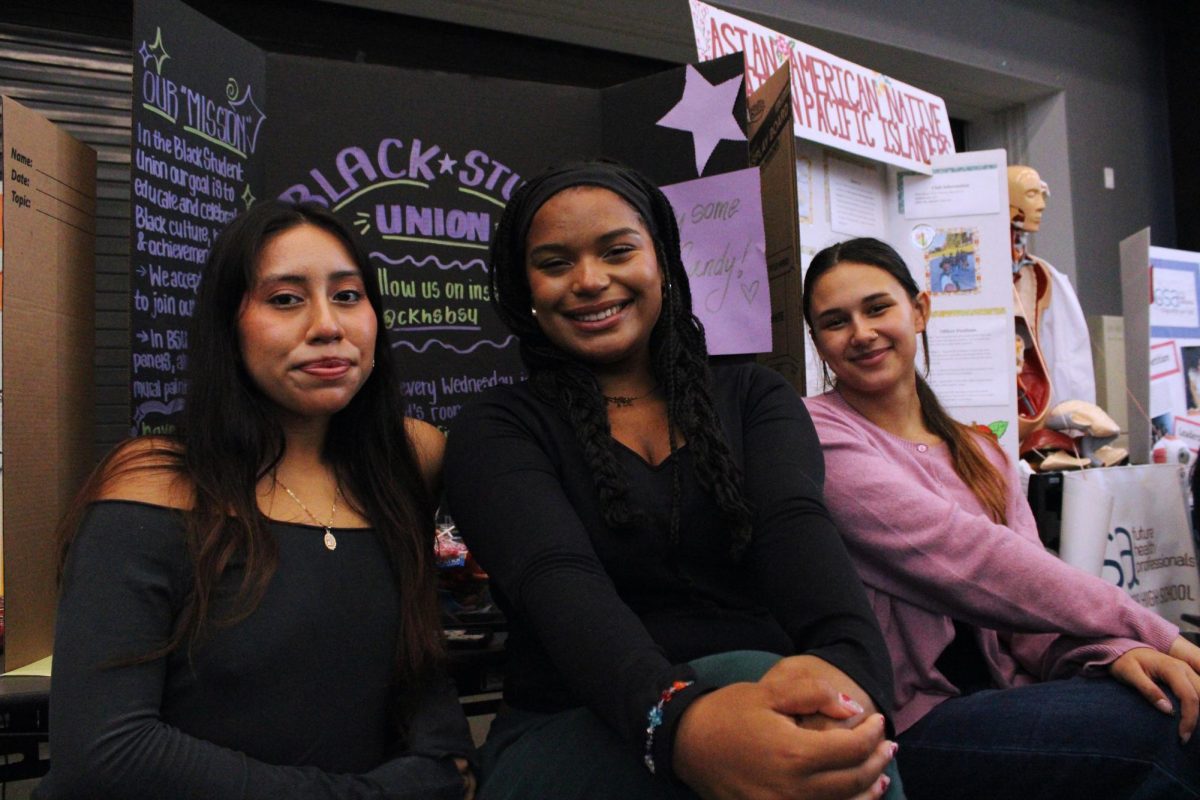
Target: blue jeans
[(1082, 737), (573, 755)]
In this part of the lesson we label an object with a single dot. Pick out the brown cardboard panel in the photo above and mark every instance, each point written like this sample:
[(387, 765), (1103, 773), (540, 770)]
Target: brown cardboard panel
[(49, 237), (773, 150), (1108, 356)]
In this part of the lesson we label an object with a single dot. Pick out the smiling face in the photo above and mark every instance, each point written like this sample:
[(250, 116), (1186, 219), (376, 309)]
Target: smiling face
[(594, 278), (865, 328), (306, 329)]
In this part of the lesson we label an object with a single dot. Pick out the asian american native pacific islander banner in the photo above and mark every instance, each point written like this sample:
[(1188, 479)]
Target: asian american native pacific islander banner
[(835, 102)]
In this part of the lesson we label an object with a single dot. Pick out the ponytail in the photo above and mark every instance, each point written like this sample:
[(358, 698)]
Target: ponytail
[(970, 464)]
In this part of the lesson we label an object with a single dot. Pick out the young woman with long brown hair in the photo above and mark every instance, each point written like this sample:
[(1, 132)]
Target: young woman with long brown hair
[(248, 608), (981, 621)]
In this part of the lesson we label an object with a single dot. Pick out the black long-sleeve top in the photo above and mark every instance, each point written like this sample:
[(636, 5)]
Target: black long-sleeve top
[(295, 700), (607, 618)]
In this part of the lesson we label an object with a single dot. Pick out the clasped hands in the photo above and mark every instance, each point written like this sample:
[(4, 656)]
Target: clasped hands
[(805, 730)]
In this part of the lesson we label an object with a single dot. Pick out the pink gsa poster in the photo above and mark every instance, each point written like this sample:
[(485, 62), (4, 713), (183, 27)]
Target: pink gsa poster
[(724, 251)]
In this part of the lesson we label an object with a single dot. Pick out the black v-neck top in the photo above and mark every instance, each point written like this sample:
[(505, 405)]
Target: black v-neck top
[(608, 618)]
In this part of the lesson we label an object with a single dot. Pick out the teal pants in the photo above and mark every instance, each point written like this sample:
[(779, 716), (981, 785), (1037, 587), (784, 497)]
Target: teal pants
[(573, 755)]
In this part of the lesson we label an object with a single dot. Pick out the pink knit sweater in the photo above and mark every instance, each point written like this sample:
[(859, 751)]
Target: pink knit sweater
[(927, 553)]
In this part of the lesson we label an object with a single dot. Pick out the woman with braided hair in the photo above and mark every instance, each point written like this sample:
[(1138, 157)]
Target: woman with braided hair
[(683, 616)]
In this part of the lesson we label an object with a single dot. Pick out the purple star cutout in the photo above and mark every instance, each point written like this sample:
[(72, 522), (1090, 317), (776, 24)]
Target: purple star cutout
[(706, 112), (446, 164)]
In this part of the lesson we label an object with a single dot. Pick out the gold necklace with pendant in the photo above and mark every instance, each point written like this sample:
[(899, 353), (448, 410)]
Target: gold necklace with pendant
[(330, 539)]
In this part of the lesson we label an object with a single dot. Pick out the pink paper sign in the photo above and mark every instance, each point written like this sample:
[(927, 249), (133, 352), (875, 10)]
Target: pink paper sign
[(724, 252)]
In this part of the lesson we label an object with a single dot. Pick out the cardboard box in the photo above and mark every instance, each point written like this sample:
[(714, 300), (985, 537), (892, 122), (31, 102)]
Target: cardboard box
[(48, 344), (1108, 359), (773, 151)]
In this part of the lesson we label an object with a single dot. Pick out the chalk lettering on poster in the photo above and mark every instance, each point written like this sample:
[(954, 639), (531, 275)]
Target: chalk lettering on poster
[(722, 246), (394, 162), (426, 214), (189, 178)]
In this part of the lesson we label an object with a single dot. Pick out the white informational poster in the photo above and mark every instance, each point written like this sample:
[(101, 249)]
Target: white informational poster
[(855, 197), (971, 369), (957, 192), (952, 229)]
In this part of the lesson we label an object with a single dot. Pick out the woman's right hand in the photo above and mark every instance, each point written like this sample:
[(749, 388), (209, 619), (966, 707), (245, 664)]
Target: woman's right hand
[(742, 742)]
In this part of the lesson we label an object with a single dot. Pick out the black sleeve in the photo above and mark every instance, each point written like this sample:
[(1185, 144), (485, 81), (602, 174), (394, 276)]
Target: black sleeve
[(123, 583), (797, 558), (437, 727), (508, 499)]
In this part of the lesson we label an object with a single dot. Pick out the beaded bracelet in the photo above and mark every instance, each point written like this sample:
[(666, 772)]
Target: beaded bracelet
[(655, 718)]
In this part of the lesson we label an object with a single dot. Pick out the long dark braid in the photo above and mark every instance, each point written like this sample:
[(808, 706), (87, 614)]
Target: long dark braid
[(677, 345)]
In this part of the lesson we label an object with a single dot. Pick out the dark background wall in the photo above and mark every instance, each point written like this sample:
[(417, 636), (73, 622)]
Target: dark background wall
[(1180, 23)]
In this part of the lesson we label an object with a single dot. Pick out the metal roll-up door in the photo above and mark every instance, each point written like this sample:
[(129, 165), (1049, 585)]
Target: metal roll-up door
[(83, 84)]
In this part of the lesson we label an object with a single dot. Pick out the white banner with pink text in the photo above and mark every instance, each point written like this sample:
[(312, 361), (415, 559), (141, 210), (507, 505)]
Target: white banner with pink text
[(835, 102)]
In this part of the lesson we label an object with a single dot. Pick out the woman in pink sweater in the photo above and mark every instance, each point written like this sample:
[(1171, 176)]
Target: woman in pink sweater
[(1003, 656)]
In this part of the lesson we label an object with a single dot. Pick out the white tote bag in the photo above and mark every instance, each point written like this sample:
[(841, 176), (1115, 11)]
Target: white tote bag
[(1130, 526)]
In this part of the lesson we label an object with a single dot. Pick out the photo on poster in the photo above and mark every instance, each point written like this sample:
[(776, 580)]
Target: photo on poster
[(1162, 425), (1191, 368), (952, 261)]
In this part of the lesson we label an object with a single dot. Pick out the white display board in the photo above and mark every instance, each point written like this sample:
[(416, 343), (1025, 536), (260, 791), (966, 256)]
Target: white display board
[(1161, 294), (1175, 346)]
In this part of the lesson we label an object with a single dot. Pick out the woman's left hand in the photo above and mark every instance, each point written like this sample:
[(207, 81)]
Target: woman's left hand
[(1143, 667)]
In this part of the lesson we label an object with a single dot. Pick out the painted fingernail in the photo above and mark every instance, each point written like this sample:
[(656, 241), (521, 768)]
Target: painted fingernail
[(884, 782), (1187, 737), (893, 749), (849, 702), (1163, 705)]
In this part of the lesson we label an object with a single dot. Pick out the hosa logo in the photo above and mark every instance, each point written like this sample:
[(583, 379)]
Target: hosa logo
[(1124, 561)]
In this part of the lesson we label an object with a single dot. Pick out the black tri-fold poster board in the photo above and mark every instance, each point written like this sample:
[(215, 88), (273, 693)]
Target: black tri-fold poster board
[(419, 164)]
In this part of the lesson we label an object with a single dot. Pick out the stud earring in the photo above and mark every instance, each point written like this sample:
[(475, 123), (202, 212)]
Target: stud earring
[(533, 311)]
